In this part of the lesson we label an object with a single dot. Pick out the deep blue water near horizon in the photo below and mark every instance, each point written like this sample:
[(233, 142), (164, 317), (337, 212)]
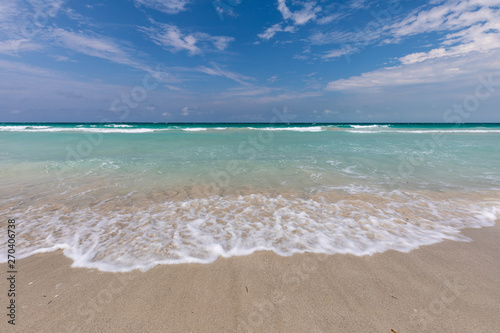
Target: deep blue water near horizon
[(120, 196)]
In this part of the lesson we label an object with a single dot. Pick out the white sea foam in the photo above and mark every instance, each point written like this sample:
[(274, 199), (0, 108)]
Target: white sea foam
[(118, 125), (13, 128), (295, 129), (195, 129), (415, 131), (201, 230), (75, 129), (369, 126), (110, 128)]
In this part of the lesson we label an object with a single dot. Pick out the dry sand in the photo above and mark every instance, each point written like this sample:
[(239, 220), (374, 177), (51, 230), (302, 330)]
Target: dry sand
[(446, 287)]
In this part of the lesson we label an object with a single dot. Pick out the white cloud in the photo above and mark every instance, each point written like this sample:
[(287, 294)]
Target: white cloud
[(285, 12), (300, 17), (306, 14), (14, 46), (220, 42), (391, 76), (449, 16), (270, 32), (474, 35), (170, 37), (215, 70), (165, 6), (469, 26), (431, 71)]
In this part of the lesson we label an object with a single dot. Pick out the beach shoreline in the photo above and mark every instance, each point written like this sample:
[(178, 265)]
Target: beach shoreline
[(447, 287)]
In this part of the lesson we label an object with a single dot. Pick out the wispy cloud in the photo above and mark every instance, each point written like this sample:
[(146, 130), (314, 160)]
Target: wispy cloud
[(272, 79), (248, 91), (21, 68), (215, 70), (224, 8), (24, 19), (371, 34), (444, 16), (271, 31), (63, 58), (330, 18), (282, 97), (43, 94), (262, 95), (171, 38), (103, 47), (358, 4), (92, 44), (9, 10), (165, 6), (13, 46), (337, 53)]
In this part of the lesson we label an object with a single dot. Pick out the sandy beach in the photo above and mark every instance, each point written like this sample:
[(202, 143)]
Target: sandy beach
[(447, 287)]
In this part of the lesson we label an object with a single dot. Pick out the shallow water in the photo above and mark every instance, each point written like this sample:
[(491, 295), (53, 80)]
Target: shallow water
[(124, 196)]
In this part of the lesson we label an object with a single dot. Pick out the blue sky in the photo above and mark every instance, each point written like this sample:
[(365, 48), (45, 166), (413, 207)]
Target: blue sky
[(238, 60)]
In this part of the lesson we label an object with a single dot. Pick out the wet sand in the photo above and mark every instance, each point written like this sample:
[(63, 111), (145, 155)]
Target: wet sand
[(446, 287)]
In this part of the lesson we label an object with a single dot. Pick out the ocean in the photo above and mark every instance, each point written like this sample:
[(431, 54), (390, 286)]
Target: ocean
[(119, 197)]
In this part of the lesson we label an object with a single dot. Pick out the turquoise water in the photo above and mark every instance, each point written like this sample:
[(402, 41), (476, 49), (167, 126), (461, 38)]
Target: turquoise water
[(125, 196)]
